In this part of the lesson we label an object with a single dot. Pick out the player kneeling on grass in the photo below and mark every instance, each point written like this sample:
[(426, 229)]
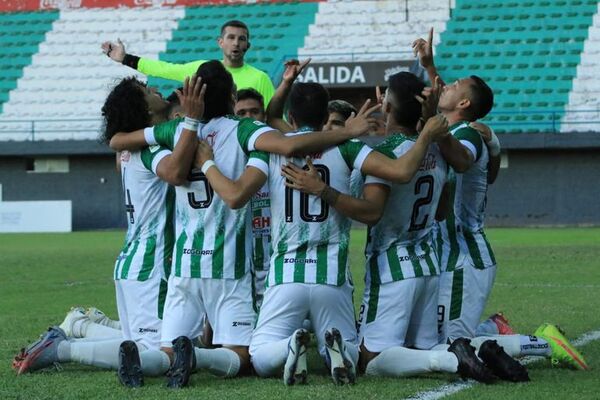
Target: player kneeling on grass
[(309, 275), (144, 263), (400, 257)]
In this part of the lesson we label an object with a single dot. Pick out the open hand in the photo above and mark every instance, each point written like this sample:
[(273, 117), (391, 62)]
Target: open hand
[(293, 68), (307, 179), (191, 97), (484, 130), (203, 153), (362, 122), (436, 128)]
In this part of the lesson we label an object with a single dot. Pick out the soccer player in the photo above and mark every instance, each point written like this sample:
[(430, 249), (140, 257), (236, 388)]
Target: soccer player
[(308, 275), (211, 265), (144, 263), (468, 262), (250, 104), (234, 42), (400, 253), (339, 111)]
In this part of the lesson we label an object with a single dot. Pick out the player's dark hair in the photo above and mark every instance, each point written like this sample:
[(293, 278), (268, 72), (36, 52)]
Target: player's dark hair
[(125, 109), (235, 24), (219, 89), (406, 109), (482, 99), (173, 99), (249, 93), (341, 107), (308, 104)]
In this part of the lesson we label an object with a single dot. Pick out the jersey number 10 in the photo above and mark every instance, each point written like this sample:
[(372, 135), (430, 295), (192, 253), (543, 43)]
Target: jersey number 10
[(305, 214)]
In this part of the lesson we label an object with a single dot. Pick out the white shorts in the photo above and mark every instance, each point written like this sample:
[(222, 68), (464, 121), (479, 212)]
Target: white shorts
[(227, 304), (140, 306), (401, 313), (286, 306), (462, 299)]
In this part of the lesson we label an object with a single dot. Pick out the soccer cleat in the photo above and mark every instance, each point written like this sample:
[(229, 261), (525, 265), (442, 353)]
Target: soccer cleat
[(40, 354), (343, 370), (469, 366), (502, 323), (563, 352), (295, 369), (130, 367), (183, 362), (98, 317), (74, 315), (502, 365)]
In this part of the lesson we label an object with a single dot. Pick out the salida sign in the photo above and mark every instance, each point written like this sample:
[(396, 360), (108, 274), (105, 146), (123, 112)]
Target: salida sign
[(353, 74)]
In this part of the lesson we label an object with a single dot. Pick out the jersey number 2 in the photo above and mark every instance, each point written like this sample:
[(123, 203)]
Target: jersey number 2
[(305, 214), (421, 201), (195, 203)]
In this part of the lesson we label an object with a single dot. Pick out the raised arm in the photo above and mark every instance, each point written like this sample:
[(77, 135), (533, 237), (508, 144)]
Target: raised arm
[(456, 154), (402, 169), (367, 210), (424, 50), (235, 193), (162, 69), (293, 68), (302, 145)]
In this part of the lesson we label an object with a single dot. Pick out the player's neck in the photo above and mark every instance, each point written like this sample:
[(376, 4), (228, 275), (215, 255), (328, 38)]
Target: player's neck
[(157, 118), (392, 127), (452, 116)]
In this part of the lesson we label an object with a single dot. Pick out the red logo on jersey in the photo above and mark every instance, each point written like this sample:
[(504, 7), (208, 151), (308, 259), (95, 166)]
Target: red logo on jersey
[(261, 222), (211, 138), (125, 156), (428, 163), (316, 156)]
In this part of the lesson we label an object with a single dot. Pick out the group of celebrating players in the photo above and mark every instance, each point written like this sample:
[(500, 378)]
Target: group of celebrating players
[(239, 230)]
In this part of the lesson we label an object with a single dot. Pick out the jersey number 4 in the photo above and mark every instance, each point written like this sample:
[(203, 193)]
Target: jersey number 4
[(423, 181), (192, 200), (305, 214)]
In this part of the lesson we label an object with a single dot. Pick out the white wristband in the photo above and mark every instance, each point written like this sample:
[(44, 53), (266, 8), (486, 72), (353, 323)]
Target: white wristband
[(190, 124), (149, 136), (494, 145), (207, 164)]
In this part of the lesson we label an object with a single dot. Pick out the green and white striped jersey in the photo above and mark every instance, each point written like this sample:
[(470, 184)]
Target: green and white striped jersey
[(309, 238), (261, 229), (400, 246), (212, 240), (461, 235), (149, 204)]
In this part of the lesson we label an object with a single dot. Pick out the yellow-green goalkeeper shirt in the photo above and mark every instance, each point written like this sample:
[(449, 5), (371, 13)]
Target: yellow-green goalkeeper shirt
[(244, 77)]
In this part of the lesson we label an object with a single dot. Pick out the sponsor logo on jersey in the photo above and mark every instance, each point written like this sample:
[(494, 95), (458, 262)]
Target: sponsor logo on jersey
[(261, 222), (147, 330), (154, 149), (198, 252), (259, 123), (125, 156), (241, 323), (300, 260), (211, 138), (412, 258)]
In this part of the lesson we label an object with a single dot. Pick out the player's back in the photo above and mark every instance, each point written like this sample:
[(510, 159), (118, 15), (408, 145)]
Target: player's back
[(401, 243), (212, 240), (149, 203), (310, 238)]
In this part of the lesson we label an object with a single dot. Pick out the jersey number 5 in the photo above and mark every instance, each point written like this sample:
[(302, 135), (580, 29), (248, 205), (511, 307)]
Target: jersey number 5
[(305, 214), (195, 203), (420, 202)]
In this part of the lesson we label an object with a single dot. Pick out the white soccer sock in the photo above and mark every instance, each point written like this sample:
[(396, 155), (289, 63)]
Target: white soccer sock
[(352, 352), (102, 354), (154, 362), (111, 323), (518, 345), (268, 359), (221, 362), (401, 362), (84, 328)]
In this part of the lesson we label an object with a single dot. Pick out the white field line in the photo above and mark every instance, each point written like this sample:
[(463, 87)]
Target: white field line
[(452, 388), (548, 285)]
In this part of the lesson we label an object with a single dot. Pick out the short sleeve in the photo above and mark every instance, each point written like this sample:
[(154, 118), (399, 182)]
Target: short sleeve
[(248, 131), (260, 160), (153, 155), (354, 152), (164, 133), (471, 139)]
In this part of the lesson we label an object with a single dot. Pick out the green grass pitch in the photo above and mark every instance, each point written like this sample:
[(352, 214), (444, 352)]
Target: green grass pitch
[(544, 275)]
